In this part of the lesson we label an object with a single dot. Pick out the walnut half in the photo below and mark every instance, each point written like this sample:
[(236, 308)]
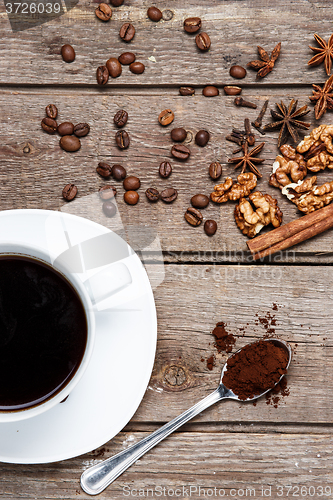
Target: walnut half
[(266, 212), (230, 191)]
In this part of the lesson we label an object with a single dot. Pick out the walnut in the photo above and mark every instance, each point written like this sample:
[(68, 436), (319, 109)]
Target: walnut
[(320, 162), (285, 165), (251, 221), (307, 196), (309, 140), (229, 191)]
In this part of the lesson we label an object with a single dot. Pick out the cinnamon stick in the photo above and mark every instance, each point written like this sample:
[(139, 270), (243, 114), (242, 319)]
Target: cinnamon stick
[(287, 231)]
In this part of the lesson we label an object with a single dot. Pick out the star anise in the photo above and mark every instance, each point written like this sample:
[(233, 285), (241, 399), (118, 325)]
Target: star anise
[(287, 120), (323, 96), (323, 53), (266, 64), (248, 159)]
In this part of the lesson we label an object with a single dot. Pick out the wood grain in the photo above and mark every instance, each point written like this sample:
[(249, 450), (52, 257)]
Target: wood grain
[(235, 27)]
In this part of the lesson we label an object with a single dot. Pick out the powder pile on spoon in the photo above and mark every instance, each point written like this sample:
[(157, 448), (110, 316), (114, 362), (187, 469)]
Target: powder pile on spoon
[(255, 369)]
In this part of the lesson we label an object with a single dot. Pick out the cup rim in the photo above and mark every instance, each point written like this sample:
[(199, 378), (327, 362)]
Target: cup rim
[(40, 254)]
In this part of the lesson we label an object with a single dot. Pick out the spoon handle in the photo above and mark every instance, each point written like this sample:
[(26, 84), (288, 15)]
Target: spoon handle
[(95, 479)]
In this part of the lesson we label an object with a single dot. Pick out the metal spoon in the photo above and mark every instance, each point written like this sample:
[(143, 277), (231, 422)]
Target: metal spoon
[(95, 479)]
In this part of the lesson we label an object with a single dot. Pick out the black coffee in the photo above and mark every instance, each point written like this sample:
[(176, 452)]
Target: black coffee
[(43, 332)]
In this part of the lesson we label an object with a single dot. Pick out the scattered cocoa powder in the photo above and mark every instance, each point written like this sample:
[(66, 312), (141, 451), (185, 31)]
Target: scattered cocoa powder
[(224, 341), (210, 362), (274, 396)]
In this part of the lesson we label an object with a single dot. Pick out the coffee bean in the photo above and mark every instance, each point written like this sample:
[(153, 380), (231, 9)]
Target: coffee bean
[(202, 138), (178, 134), (70, 143), (210, 227), (118, 172), (165, 169), (131, 183), (180, 152), (51, 111), (137, 67), (122, 139), (103, 169), (67, 53), (127, 32), (166, 117), (114, 67), (126, 58), (203, 41), (154, 14), (120, 118), (199, 201), (81, 129), (49, 125), (187, 91), (193, 216), (103, 12), (65, 128), (131, 197), (109, 209), (215, 170), (232, 90), (237, 72), (210, 91), (107, 192), (192, 24), (102, 75), (69, 192), (116, 3), (152, 194), (169, 195)]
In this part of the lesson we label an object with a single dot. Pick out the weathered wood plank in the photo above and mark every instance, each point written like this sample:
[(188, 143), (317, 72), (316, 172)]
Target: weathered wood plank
[(36, 179), (236, 28), (230, 462)]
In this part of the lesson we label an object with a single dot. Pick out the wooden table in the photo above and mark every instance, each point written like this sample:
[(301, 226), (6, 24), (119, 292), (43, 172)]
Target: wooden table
[(230, 446)]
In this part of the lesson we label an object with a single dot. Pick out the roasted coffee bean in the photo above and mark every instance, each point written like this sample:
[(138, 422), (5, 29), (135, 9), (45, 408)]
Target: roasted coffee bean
[(67, 53), (116, 3), (81, 129), (114, 67), (152, 194), (109, 209), (203, 41), (102, 75), (131, 183), (232, 90), (237, 72), (104, 169), (178, 134), (118, 172), (193, 216), (192, 24), (210, 91), (165, 169), (187, 91), (122, 139), (154, 14), (107, 192), (215, 170), (69, 192), (65, 128), (210, 227), (131, 197), (126, 58), (137, 67), (180, 152), (202, 138), (199, 201), (127, 32), (103, 12), (166, 117), (169, 195), (49, 125), (51, 111), (70, 143), (120, 118)]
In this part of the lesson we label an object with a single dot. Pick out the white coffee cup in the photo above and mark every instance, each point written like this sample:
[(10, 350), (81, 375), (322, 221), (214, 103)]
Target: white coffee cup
[(112, 279)]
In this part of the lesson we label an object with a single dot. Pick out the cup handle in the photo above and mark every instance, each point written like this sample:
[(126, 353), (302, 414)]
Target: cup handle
[(109, 281)]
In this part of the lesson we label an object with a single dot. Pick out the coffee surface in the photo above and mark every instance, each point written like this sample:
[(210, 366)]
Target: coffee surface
[(43, 332)]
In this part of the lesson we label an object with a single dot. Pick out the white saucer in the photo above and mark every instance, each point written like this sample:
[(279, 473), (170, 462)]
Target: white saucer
[(116, 379)]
